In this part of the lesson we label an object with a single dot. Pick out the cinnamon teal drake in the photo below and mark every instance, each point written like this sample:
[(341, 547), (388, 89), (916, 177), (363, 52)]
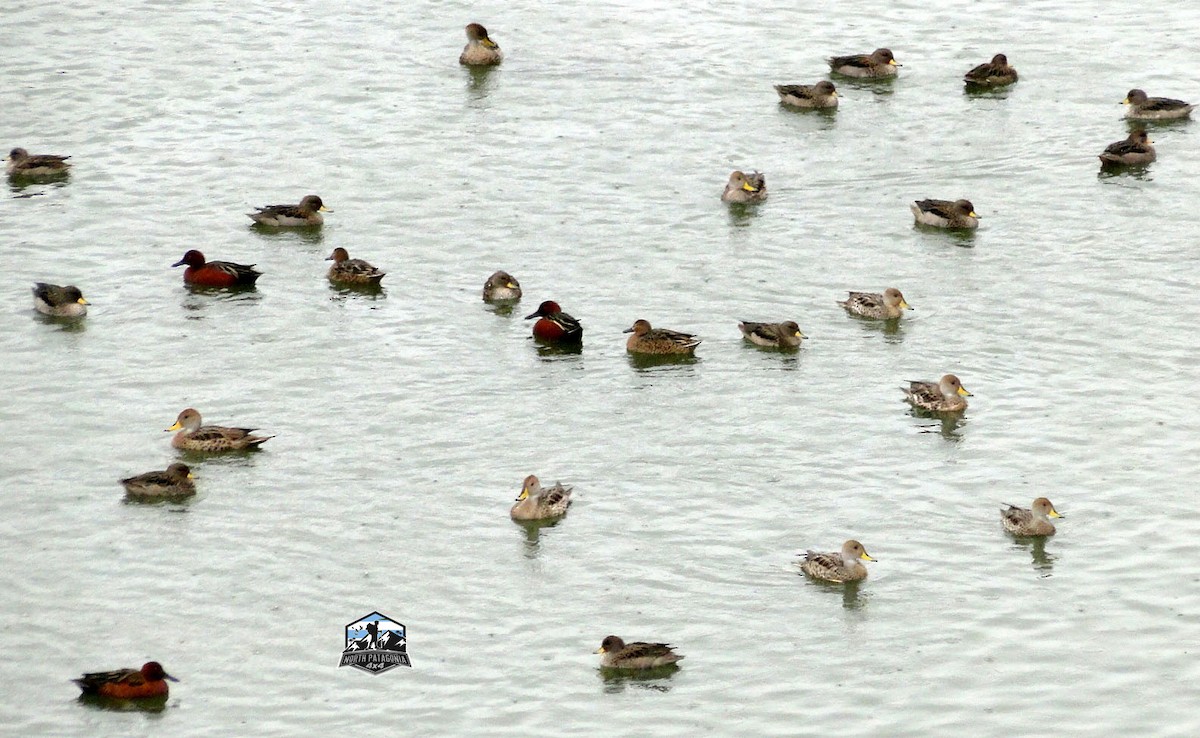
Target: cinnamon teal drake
[(887, 306), (554, 326), (1135, 150), (538, 503), (307, 213), (501, 287), (947, 395), (127, 684), (1143, 107), (20, 163), (843, 566), (59, 302), (785, 335), (351, 271), (1034, 522), (821, 95), (203, 273), (995, 73), (175, 481), (480, 51), (617, 654), (744, 187), (958, 214), (879, 63), (194, 436), (659, 341)]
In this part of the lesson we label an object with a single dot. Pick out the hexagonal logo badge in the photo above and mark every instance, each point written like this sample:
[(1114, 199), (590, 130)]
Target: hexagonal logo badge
[(375, 643)]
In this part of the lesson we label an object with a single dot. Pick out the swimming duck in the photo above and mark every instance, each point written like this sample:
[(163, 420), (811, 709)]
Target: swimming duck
[(307, 213), (945, 396), (176, 481), (480, 50), (555, 326), (1136, 150), (1035, 522), (891, 304), (821, 95), (216, 273), (536, 503), (785, 335), (995, 73), (945, 214), (647, 340), (880, 63), (127, 684), (193, 436), (59, 302), (20, 163), (501, 287), (1142, 107), (846, 566), (744, 187), (351, 271), (621, 655)]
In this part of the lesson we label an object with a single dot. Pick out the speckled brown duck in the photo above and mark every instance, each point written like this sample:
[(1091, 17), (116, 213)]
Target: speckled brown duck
[(888, 305), (617, 654), (193, 435)]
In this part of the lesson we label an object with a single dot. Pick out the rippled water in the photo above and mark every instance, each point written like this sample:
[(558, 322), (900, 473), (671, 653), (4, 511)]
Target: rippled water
[(590, 165)]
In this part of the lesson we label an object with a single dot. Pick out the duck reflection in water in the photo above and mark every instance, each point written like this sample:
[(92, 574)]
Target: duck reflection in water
[(1041, 561), (949, 425), (618, 680)]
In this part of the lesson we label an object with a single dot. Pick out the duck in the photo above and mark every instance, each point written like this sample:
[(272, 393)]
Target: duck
[(744, 187), (945, 214), (879, 63), (555, 326), (203, 273), (307, 213), (127, 684), (887, 306), (194, 436), (1136, 150), (480, 51), (660, 341), (1034, 522), (617, 654), (59, 302), (538, 503), (175, 481), (845, 566), (995, 73), (947, 395), (821, 95), (20, 163), (1142, 107), (784, 335), (501, 287), (351, 271)]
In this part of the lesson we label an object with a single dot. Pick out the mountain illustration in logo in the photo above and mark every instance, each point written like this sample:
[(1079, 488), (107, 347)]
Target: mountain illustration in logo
[(375, 643)]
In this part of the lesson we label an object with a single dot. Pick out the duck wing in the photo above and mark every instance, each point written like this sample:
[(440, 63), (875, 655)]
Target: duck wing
[(941, 208), (1163, 104)]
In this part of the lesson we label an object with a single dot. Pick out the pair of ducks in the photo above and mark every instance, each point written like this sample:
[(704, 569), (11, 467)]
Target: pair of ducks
[(176, 481), (1137, 149), (846, 565), (882, 63), (203, 273), (745, 188)]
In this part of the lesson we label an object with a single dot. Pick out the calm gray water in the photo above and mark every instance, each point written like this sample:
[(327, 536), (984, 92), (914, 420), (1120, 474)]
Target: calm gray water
[(589, 165)]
